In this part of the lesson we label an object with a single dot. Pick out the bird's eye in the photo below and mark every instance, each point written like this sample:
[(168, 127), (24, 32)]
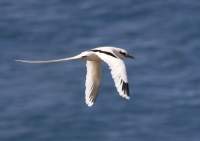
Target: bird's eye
[(122, 53)]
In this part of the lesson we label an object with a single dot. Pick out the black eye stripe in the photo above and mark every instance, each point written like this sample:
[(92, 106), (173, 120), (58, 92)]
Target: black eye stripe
[(122, 53)]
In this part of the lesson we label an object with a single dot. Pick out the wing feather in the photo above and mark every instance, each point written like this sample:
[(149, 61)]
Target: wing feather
[(93, 80), (118, 72)]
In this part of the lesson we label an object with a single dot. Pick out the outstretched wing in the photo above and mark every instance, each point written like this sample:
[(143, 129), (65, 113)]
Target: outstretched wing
[(118, 71), (93, 80)]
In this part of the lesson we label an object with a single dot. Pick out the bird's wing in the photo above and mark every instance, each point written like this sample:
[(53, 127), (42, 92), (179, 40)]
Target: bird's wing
[(118, 71), (93, 80)]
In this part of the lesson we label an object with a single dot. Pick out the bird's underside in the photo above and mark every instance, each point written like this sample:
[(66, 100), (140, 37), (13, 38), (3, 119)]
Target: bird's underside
[(94, 58)]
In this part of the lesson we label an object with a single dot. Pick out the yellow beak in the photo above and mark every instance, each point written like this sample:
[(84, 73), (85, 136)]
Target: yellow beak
[(129, 56)]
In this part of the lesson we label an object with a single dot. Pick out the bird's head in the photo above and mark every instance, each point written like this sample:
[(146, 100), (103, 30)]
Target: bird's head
[(121, 53)]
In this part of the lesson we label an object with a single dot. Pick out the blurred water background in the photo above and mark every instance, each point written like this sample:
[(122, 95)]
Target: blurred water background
[(41, 102)]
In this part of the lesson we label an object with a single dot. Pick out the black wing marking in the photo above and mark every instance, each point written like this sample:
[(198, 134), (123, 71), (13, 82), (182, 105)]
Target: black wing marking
[(105, 52), (125, 87)]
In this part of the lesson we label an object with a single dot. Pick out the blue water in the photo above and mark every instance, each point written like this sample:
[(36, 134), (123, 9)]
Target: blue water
[(40, 102)]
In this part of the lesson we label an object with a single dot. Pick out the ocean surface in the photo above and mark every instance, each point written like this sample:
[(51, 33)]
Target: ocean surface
[(46, 102)]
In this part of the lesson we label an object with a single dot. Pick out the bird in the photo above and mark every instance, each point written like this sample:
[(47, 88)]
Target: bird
[(113, 57)]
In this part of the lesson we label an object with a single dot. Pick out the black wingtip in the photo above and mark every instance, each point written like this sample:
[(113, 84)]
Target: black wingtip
[(125, 88)]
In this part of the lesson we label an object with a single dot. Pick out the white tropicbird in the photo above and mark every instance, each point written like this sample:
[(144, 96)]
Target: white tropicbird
[(112, 56)]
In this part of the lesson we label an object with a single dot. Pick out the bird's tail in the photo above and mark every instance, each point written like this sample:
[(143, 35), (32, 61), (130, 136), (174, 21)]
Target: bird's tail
[(49, 61)]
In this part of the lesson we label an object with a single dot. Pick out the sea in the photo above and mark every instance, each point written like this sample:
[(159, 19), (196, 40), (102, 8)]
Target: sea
[(46, 102)]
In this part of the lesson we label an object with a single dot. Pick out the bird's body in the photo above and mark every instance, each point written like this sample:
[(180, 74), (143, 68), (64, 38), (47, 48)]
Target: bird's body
[(112, 56)]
